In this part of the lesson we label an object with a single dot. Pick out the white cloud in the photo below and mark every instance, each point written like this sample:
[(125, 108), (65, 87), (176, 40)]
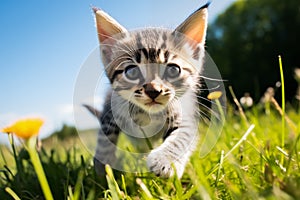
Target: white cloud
[(78, 115), (83, 118), (66, 109)]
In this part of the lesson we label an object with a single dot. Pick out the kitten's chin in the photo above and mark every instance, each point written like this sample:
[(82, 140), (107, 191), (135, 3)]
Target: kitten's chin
[(153, 107)]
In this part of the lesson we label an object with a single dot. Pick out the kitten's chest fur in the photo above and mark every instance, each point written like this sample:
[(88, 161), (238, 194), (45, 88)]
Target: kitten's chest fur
[(141, 126)]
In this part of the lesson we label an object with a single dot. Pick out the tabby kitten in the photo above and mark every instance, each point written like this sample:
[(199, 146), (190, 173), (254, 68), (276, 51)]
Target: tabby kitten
[(154, 75)]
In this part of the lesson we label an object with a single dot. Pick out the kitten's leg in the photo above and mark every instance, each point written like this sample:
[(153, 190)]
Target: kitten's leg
[(173, 153), (107, 140), (181, 142), (105, 151)]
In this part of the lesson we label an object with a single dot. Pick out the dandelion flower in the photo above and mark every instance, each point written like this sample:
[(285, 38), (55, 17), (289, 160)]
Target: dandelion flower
[(24, 128), (214, 95)]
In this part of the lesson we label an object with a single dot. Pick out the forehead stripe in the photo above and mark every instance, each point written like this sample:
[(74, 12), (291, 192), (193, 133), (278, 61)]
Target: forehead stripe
[(145, 52), (137, 55), (152, 55), (166, 55)]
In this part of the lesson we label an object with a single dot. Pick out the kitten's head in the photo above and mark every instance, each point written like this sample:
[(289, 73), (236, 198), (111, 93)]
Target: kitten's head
[(152, 67)]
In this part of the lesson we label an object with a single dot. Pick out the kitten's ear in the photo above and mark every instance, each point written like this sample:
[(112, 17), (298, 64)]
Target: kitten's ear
[(106, 25), (195, 25)]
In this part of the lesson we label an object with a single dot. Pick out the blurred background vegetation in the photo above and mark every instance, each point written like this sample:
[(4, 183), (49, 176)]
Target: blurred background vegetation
[(245, 42), (247, 38), (65, 132)]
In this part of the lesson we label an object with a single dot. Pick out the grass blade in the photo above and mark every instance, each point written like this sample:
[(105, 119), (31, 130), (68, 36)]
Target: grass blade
[(12, 193), (283, 108), (146, 192), (241, 140), (115, 191), (220, 167), (78, 184)]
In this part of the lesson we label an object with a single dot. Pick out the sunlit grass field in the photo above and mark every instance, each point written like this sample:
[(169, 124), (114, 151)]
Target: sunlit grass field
[(243, 164)]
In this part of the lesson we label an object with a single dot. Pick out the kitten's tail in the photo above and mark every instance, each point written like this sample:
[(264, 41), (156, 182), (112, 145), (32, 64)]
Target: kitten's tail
[(93, 110)]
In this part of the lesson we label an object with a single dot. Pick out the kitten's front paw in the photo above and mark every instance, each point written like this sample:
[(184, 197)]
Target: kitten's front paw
[(162, 165)]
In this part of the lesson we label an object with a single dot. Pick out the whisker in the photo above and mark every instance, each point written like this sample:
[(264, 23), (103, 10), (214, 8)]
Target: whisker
[(212, 79), (209, 89)]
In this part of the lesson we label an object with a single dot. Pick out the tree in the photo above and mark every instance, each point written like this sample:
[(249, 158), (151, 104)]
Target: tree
[(66, 132), (247, 38)]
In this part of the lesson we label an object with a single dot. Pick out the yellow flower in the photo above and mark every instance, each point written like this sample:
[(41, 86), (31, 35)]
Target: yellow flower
[(214, 95), (25, 128)]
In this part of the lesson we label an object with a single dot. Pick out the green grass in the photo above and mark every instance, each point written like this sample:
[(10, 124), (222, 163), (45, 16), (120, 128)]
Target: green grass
[(235, 169), (255, 157)]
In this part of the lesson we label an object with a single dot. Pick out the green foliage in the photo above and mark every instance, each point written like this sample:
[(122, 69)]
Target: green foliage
[(242, 165), (63, 170), (256, 157), (262, 163), (65, 132), (247, 38)]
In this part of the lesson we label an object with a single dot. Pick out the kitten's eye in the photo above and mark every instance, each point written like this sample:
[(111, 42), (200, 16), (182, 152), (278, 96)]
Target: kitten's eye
[(132, 72), (172, 71)]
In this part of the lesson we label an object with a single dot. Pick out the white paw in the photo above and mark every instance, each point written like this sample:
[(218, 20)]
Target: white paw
[(162, 165)]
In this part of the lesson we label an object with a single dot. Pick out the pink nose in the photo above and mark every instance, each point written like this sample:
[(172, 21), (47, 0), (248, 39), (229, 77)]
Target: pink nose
[(151, 91)]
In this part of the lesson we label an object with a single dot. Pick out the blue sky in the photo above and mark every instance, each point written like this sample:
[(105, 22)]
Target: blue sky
[(44, 43)]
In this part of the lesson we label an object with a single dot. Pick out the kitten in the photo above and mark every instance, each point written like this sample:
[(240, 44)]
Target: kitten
[(154, 75)]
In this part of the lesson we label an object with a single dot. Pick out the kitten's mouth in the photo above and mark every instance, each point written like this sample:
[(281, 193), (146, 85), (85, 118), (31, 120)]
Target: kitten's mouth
[(152, 103)]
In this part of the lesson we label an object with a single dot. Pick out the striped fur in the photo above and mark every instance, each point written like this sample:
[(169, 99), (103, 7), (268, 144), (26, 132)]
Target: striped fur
[(154, 75)]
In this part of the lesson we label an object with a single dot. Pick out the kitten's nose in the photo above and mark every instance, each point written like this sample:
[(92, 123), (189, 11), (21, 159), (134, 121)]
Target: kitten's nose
[(151, 91)]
